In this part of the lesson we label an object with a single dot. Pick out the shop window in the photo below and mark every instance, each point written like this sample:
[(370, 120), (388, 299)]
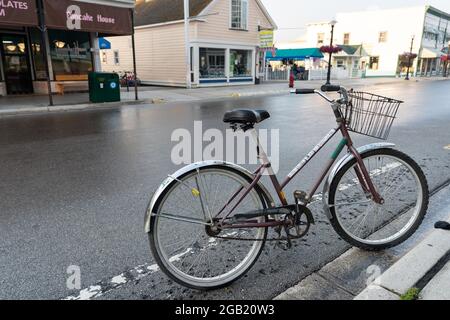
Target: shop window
[(374, 63), (239, 14), (240, 63), (431, 36), (340, 63), (320, 39), (116, 57), (37, 54), (212, 63), (346, 38), (71, 55), (382, 38)]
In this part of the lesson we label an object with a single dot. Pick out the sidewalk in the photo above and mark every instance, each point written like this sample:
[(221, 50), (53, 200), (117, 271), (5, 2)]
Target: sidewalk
[(423, 273), (159, 95), (421, 264)]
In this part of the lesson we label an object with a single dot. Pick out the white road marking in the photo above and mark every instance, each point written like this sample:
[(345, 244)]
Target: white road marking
[(134, 274), (119, 280), (103, 287)]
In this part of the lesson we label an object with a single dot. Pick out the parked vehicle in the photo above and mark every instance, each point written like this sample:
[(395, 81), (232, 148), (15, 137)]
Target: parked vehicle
[(208, 222), (127, 79)]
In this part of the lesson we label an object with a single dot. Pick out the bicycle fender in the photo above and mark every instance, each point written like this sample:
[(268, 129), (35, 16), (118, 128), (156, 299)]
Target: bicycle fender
[(339, 165), (168, 181)]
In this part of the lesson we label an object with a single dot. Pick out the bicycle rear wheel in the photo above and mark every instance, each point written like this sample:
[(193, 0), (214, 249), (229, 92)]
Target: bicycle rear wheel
[(371, 226), (187, 249)]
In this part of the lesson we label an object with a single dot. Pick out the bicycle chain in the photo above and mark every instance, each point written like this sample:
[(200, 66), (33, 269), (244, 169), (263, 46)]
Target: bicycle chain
[(279, 239)]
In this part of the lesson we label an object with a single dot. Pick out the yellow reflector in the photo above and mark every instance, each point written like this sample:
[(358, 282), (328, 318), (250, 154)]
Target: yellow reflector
[(195, 192)]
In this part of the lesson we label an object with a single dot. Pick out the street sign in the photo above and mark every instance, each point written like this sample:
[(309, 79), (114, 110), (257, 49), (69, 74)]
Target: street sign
[(104, 44), (266, 39)]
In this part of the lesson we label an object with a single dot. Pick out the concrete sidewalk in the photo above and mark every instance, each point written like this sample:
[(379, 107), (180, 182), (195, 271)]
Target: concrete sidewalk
[(158, 95), (425, 269), (421, 262)]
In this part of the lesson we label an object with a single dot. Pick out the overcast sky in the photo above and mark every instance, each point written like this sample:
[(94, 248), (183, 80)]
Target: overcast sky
[(297, 13)]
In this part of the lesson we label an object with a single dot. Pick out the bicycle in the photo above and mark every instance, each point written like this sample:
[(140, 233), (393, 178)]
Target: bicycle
[(208, 222)]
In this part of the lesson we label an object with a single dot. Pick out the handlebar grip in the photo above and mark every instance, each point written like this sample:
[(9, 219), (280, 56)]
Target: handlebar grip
[(304, 91), (330, 88)]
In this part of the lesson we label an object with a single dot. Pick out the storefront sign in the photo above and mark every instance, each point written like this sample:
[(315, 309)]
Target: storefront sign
[(22, 13), (266, 39), (81, 16)]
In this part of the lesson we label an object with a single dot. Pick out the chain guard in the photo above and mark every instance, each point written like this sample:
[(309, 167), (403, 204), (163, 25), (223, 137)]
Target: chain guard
[(305, 217)]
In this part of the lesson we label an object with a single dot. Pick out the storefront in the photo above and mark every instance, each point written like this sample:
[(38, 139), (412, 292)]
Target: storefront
[(63, 55), (221, 64)]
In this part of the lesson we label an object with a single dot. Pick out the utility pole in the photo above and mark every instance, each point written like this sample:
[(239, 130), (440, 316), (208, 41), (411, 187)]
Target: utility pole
[(444, 72), (446, 64), (133, 44), (187, 44), (409, 58), (43, 29), (333, 23)]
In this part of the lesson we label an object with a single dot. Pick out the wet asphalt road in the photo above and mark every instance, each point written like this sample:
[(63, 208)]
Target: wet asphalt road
[(74, 188)]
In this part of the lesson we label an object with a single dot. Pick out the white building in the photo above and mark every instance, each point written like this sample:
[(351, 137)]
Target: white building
[(373, 41), (224, 37)]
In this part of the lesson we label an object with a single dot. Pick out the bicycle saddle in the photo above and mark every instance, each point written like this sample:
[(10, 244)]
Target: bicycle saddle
[(245, 116)]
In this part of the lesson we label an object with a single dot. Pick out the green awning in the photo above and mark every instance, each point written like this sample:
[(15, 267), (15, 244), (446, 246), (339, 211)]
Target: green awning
[(294, 54)]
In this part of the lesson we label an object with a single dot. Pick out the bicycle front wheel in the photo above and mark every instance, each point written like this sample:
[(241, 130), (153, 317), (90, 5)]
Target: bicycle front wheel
[(184, 244), (371, 226)]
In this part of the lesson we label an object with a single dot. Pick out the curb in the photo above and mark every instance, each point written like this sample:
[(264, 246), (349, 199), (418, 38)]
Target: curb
[(257, 93), (155, 100), (63, 108), (410, 269), (354, 271)]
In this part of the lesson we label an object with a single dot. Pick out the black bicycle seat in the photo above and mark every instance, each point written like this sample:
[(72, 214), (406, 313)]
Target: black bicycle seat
[(245, 116)]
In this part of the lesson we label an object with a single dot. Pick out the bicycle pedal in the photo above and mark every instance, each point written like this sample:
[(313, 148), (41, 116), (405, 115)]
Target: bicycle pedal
[(283, 245)]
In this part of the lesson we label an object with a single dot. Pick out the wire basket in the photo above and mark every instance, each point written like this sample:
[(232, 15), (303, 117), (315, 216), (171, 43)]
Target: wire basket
[(370, 114)]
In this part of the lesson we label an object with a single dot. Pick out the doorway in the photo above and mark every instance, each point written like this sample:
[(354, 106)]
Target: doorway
[(16, 64)]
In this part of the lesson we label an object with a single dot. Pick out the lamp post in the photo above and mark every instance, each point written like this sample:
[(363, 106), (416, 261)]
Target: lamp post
[(409, 58), (332, 23), (187, 44), (446, 64)]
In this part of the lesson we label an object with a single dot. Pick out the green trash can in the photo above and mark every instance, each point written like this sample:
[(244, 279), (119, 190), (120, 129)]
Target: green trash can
[(104, 87)]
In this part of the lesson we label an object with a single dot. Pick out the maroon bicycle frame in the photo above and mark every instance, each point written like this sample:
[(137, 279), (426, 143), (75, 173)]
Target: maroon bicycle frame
[(360, 170)]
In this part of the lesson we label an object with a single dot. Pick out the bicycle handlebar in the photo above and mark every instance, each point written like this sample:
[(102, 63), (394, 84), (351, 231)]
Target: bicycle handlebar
[(323, 89), (304, 91), (330, 88)]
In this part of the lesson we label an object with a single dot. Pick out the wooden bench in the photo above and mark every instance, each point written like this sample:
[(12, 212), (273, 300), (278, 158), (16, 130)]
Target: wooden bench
[(73, 86)]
